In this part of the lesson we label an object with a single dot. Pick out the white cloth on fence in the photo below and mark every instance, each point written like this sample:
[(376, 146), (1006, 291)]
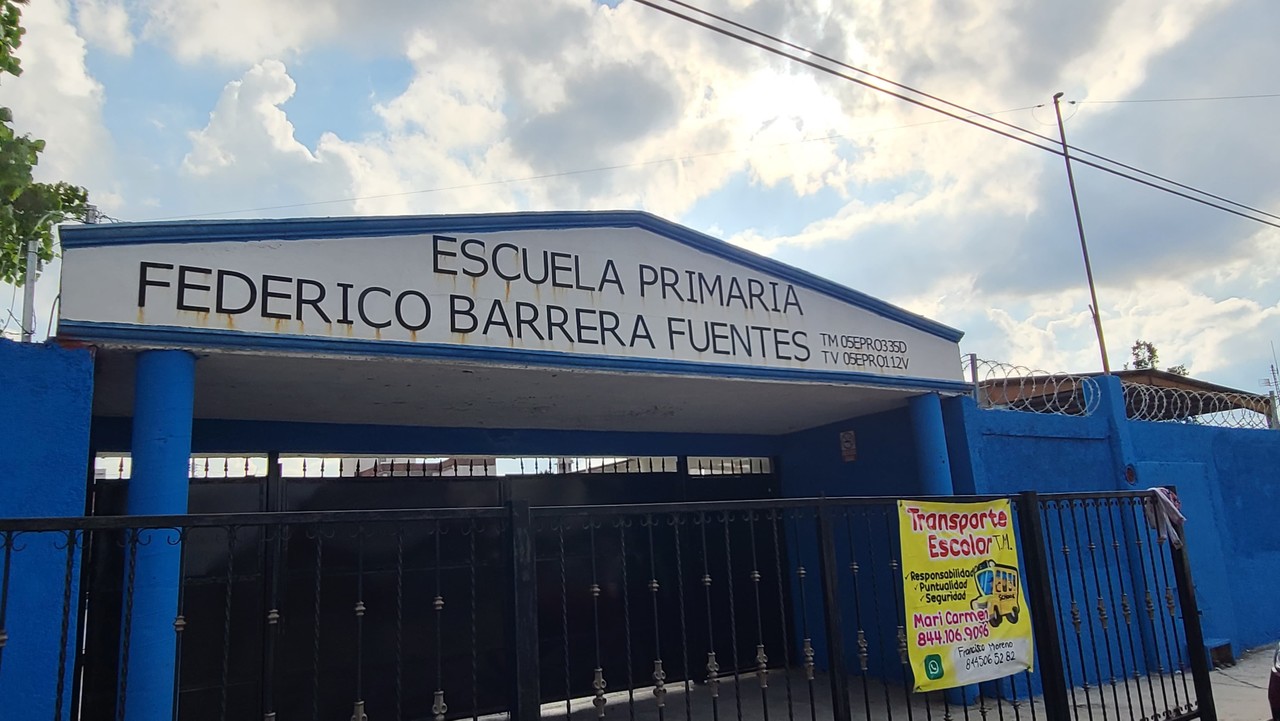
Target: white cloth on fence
[(1164, 514)]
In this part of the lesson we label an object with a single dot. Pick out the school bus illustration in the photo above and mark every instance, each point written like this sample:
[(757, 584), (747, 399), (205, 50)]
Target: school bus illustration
[(997, 592)]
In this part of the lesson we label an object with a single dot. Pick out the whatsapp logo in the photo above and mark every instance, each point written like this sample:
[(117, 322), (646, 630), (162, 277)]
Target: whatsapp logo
[(933, 667)]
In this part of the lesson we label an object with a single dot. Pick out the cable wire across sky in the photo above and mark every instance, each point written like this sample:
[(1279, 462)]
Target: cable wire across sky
[(725, 26), (818, 61)]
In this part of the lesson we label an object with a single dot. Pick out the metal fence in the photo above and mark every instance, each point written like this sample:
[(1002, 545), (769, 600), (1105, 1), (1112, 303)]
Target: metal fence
[(788, 608), (1003, 386), (1197, 407)]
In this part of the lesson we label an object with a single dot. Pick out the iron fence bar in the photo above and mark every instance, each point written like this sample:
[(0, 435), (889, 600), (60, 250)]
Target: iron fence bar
[(686, 675), (1111, 594), (222, 520), (1031, 532), (831, 612), (564, 624), (226, 622), (179, 623), (881, 645), (622, 524), (1205, 705), (522, 614), (1151, 652), (126, 632), (64, 631), (784, 621), (900, 607), (762, 659), (315, 628), (438, 705), (474, 530), (725, 517), (1165, 560), (1154, 613), (1088, 617), (272, 555), (1174, 646), (713, 666), (1075, 615), (801, 575), (1126, 609), (399, 680), (4, 591), (99, 523), (854, 568)]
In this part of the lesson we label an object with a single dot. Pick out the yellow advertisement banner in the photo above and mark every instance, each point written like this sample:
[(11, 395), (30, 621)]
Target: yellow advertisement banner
[(967, 618)]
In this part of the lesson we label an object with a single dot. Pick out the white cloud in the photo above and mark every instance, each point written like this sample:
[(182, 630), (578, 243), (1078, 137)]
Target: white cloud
[(943, 218), (105, 24)]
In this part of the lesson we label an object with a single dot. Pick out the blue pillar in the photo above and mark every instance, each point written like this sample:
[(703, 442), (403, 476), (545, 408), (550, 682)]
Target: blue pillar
[(931, 445), (935, 479), (164, 394)]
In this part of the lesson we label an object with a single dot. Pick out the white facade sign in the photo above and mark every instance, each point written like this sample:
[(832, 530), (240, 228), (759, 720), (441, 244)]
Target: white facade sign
[(623, 292)]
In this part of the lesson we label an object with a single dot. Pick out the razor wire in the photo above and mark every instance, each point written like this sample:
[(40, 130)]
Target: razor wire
[(1197, 407), (1008, 387)]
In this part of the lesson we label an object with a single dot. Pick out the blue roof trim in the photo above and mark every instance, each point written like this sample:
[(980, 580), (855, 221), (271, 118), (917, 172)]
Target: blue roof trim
[(212, 338), (207, 231)]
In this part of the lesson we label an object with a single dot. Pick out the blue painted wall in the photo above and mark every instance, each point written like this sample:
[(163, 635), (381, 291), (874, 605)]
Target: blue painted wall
[(1228, 480), (44, 424), (886, 465)]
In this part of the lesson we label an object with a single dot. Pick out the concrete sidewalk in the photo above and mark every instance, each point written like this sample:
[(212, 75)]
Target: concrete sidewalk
[(1241, 691)]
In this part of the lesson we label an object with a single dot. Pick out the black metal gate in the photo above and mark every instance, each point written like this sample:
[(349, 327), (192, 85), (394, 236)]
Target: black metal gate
[(700, 609)]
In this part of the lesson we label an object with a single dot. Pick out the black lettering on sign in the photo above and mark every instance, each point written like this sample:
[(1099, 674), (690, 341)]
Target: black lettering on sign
[(438, 252), (800, 339), (527, 316), (584, 325), (268, 294), (220, 292), (426, 310), (609, 325), (184, 285), (314, 302), (479, 259), (145, 282), (640, 331), (461, 308), (557, 317), (497, 317), (610, 277), (360, 305), (648, 277), (498, 268), (345, 318)]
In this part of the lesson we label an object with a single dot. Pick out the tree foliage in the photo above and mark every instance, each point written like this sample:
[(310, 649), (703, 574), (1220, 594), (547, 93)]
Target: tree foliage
[(27, 209), (1147, 357)]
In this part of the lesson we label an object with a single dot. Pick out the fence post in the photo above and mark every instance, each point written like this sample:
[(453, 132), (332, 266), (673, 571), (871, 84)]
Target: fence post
[(831, 616), (522, 615), (973, 377), (1194, 635), (1044, 621)]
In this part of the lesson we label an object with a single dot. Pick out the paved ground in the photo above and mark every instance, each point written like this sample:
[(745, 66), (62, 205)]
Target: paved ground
[(1241, 691)]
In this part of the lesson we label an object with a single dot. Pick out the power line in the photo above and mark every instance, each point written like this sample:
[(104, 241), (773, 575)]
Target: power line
[(1177, 100), (564, 173), (923, 104)]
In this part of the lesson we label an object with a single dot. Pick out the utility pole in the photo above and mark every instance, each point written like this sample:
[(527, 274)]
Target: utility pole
[(33, 268), (29, 289), (1084, 247)]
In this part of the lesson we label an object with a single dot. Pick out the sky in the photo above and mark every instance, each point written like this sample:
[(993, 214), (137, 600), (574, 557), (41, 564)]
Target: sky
[(241, 108)]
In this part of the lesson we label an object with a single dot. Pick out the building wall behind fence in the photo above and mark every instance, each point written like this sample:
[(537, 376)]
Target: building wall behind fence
[(1228, 481), (44, 424)]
